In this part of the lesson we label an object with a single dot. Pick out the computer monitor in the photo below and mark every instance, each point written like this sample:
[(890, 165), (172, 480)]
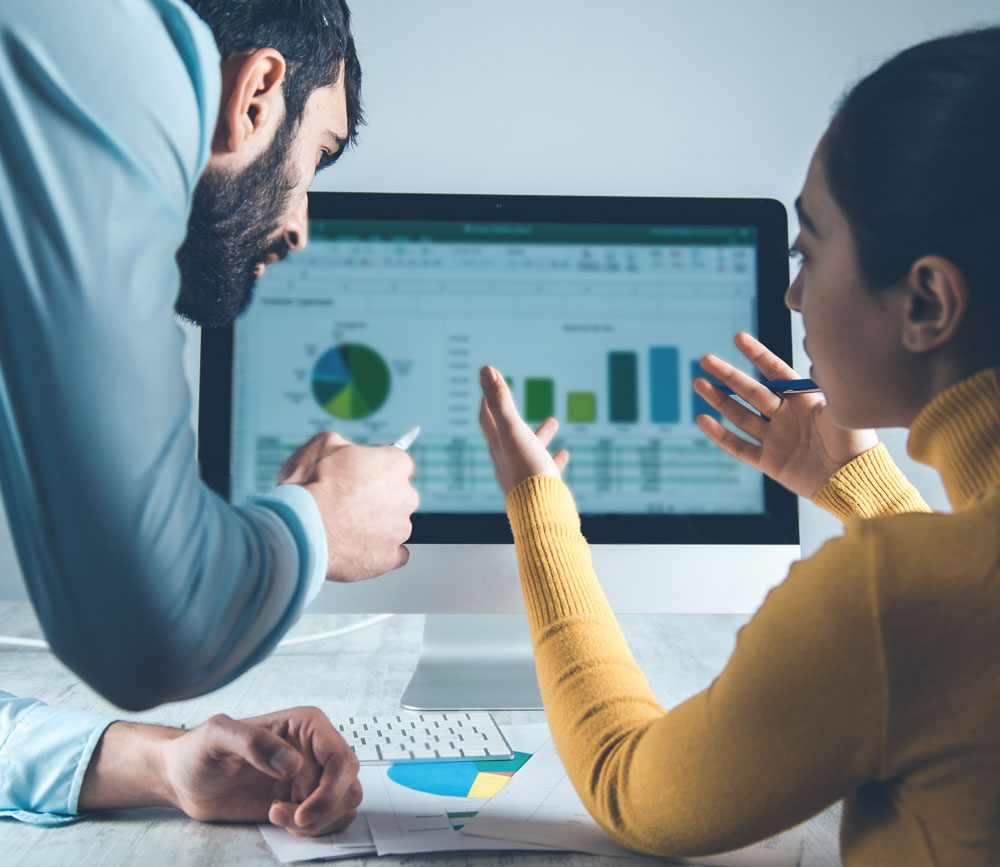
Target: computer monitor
[(597, 310)]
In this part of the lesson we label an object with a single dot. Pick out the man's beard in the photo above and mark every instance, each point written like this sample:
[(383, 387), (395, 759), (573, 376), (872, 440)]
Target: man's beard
[(234, 227)]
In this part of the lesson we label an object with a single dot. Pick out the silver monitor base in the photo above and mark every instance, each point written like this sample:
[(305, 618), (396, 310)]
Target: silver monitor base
[(474, 662)]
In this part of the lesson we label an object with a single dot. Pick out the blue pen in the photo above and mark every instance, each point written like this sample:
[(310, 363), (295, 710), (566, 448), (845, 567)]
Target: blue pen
[(783, 387)]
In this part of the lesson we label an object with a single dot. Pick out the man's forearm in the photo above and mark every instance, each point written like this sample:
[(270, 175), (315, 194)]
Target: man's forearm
[(126, 769)]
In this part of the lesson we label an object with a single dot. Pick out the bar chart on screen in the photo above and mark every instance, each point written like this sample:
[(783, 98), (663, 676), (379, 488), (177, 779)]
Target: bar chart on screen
[(372, 337)]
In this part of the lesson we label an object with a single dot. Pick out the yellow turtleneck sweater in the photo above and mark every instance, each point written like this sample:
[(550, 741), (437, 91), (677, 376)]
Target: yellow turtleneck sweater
[(872, 673)]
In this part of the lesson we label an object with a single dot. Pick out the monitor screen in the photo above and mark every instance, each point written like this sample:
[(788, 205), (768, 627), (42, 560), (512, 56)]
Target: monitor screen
[(596, 310)]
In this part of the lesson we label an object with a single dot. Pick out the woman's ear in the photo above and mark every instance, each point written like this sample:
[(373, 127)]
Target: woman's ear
[(252, 100), (935, 306)]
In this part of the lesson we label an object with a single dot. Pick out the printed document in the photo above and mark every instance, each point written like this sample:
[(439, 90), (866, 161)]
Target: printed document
[(418, 807), (540, 805), (353, 842)]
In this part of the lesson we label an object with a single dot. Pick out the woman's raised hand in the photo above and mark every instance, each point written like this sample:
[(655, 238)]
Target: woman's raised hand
[(799, 446), (517, 451)]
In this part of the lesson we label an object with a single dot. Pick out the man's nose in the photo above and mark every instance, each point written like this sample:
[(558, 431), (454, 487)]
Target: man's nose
[(296, 228)]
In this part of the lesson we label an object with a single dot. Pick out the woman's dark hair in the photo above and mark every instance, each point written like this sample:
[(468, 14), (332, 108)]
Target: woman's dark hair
[(912, 158), (314, 36)]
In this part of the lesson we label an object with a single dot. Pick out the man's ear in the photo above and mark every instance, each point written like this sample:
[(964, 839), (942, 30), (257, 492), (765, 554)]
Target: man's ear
[(252, 100), (936, 303)]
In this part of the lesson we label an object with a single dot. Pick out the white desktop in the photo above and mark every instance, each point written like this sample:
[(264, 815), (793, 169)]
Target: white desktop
[(597, 310)]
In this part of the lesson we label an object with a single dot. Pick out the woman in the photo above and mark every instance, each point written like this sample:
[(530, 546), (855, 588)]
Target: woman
[(872, 673)]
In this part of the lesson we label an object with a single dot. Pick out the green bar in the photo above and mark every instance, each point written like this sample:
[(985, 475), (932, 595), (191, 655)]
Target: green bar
[(539, 399), (623, 385), (581, 407)]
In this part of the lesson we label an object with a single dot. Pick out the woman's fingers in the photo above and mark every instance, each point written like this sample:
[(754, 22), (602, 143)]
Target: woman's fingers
[(764, 360), (760, 398), (748, 421), (499, 401), (547, 430), (561, 459), (487, 423), (728, 441)]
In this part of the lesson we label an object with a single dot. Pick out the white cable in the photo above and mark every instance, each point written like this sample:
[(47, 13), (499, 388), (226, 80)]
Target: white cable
[(302, 639), (23, 642), (354, 627)]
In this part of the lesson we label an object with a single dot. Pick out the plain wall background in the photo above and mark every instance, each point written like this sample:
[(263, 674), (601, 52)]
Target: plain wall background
[(635, 97)]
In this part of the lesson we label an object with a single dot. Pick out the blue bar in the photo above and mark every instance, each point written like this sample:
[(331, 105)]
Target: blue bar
[(699, 406), (664, 382)]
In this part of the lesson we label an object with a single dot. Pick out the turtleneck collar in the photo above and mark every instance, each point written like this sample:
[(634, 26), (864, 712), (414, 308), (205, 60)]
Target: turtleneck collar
[(958, 433)]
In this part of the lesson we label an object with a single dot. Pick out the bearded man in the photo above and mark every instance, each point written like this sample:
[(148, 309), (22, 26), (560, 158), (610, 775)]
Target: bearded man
[(156, 157)]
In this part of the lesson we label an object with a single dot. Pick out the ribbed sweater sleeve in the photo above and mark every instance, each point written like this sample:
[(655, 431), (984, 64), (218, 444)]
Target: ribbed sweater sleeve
[(760, 750), (869, 486)]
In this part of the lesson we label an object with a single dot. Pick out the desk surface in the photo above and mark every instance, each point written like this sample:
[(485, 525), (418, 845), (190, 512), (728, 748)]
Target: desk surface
[(362, 672)]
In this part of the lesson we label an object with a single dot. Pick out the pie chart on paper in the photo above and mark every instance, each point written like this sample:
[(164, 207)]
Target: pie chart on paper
[(458, 779), (350, 381)]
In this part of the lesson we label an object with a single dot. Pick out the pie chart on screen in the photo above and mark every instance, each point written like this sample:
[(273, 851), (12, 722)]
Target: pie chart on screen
[(350, 381)]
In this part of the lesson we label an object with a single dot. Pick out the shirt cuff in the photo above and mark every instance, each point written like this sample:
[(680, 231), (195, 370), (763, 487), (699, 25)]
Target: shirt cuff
[(309, 532), (44, 757)]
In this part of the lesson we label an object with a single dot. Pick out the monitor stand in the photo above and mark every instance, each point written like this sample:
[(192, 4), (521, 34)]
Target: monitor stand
[(474, 662)]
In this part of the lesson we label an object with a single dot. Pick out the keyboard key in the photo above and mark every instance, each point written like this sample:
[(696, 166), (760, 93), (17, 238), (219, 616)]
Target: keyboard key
[(368, 753)]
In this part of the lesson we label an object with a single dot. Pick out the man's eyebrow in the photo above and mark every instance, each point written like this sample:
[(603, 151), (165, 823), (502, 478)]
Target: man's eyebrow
[(804, 218)]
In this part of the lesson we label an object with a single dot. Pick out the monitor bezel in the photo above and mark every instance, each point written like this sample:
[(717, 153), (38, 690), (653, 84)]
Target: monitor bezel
[(778, 524)]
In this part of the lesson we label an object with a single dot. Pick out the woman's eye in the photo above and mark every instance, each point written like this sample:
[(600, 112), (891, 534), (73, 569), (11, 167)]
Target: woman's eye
[(796, 255)]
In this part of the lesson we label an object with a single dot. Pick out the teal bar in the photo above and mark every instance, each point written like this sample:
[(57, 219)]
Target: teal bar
[(664, 384), (623, 387)]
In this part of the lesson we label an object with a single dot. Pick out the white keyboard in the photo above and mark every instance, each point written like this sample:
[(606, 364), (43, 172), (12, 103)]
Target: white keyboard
[(425, 737)]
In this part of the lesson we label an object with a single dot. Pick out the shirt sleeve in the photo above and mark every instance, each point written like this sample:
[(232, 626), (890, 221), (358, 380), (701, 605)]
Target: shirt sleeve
[(147, 584), (792, 724), (297, 506), (44, 755), (869, 486)]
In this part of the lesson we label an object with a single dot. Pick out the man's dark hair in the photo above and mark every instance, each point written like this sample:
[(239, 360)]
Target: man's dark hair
[(314, 36), (911, 159)]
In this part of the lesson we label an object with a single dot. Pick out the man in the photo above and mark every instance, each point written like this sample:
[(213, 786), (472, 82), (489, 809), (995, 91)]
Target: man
[(153, 154), (121, 131)]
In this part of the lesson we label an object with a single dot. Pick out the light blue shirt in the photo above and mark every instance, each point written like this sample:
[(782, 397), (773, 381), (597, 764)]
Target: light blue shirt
[(44, 755), (148, 585)]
